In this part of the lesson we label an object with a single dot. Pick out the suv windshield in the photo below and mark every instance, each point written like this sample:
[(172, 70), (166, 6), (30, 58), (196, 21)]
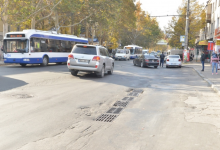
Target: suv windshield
[(84, 50), (121, 51), (16, 46)]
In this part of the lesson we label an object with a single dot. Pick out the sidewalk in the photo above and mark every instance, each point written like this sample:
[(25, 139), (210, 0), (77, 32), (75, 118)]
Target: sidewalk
[(212, 80), (1, 62)]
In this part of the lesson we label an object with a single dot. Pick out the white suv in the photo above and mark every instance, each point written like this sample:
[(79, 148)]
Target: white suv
[(90, 58)]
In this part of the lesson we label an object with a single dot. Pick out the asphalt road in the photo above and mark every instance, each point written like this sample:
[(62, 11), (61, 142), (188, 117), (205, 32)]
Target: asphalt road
[(46, 108)]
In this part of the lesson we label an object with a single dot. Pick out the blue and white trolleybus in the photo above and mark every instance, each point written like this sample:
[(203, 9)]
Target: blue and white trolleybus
[(38, 47), (135, 50)]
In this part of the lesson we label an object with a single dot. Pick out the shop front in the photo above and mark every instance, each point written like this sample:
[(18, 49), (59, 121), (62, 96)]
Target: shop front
[(202, 46)]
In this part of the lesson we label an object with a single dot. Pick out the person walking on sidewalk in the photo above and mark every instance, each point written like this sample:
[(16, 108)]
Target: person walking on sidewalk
[(162, 56), (214, 62), (203, 60)]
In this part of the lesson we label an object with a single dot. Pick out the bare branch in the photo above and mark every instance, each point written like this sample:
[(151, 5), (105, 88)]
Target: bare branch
[(38, 3), (78, 22), (32, 14), (50, 13)]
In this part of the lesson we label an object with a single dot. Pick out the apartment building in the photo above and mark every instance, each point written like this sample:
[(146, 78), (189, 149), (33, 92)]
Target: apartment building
[(211, 32)]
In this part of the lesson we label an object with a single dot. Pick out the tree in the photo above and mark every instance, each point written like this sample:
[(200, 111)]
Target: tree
[(4, 15), (176, 26)]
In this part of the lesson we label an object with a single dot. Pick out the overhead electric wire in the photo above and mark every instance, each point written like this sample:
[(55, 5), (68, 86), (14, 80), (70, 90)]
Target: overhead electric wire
[(167, 15)]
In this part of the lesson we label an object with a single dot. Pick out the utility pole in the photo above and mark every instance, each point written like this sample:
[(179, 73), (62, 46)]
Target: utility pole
[(187, 27)]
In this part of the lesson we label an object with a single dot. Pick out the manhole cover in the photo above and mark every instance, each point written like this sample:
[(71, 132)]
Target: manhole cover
[(106, 117), (133, 94), (138, 90), (23, 96), (121, 104), (114, 110)]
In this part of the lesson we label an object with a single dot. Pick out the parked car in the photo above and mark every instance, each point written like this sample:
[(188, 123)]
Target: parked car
[(90, 58), (146, 60), (173, 61), (122, 54), (165, 59)]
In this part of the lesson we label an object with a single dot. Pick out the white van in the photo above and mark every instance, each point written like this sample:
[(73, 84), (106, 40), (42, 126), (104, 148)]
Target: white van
[(122, 54), (145, 51)]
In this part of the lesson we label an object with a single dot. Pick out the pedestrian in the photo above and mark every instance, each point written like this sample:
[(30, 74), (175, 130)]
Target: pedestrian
[(162, 56), (202, 60), (214, 62)]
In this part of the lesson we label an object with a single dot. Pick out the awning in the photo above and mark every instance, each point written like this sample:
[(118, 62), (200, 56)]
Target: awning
[(203, 43)]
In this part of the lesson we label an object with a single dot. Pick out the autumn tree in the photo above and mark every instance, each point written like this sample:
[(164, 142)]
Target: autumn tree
[(176, 26)]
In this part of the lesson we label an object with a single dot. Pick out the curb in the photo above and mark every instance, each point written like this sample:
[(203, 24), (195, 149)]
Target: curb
[(213, 86), (7, 64)]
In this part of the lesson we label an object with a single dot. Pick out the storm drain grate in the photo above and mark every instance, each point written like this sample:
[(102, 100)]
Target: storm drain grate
[(128, 98), (118, 110), (138, 90), (114, 111), (121, 104), (133, 94), (131, 98), (106, 117), (125, 98), (111, 110)]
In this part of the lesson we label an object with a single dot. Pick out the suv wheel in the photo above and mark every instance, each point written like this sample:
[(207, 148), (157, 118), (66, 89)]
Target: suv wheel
[(102, 73), (74, 72), (111, 71)]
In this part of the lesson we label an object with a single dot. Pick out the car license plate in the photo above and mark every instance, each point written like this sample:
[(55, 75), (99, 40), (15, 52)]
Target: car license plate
[(173, 64), (83, 60)]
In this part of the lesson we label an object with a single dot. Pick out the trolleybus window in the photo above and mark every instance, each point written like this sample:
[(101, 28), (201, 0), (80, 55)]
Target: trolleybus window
[(16, 46), (48, 45)]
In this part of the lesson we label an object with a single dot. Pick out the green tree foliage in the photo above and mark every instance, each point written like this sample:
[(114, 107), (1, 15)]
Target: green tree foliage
[(114, 21), (177, 25), (144, 31)]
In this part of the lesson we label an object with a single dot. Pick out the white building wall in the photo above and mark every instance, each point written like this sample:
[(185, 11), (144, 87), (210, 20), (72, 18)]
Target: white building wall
[(215, 18)]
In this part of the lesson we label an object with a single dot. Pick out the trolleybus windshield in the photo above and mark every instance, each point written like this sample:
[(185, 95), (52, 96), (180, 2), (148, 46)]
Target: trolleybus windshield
[(16, 46)]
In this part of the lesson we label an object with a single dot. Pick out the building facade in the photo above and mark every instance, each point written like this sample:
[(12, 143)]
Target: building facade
[(211, 32)]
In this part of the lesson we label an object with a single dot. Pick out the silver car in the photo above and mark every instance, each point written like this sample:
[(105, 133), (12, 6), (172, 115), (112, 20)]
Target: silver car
[(90, 58)]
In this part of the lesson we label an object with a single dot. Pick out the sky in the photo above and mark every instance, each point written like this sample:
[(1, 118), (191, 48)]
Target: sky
[(163, 7)]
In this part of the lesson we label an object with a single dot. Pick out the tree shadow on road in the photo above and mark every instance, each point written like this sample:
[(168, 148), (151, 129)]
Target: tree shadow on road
[(10, 83)]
